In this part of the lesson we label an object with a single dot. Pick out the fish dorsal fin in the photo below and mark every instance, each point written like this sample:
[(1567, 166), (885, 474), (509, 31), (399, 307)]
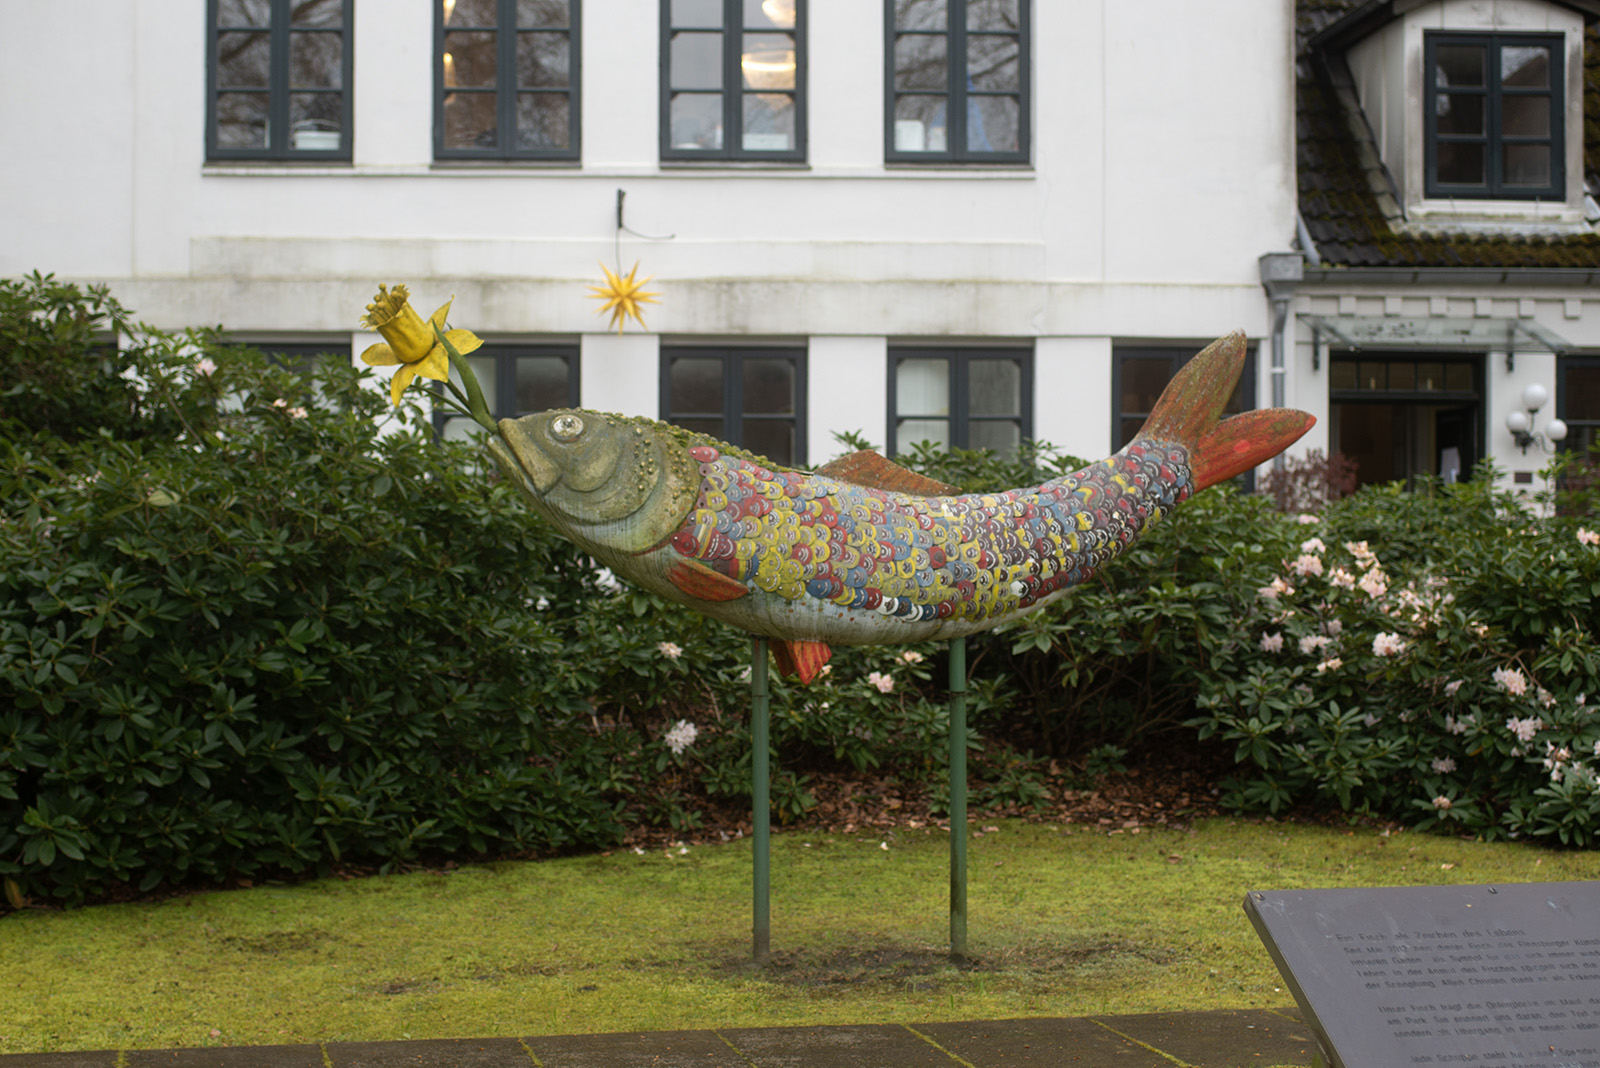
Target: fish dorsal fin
[(699, 581), (801, 659), (876, 471)]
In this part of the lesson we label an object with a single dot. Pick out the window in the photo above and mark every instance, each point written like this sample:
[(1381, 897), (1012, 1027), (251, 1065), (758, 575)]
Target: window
[(516, 380), (1494, 115), (1578, 401), (506, 79), (965, 399), (1400, 416), (733, 79), (1138, 375), (752, 398), (959, 85), (278, 79)]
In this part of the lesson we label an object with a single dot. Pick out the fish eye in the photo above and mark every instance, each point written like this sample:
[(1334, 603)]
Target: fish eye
[(566, 427)]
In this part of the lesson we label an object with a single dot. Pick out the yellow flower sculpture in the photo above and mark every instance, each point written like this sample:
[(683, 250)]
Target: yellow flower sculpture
[(409, 341), (622, 296)]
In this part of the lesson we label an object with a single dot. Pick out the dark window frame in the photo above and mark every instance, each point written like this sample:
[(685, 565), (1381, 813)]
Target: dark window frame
[(958, 96), (280, 144), (505, 89), (1494, 186), (732, 415), (1576, 426), (505, 355), (960, 418), (732, 92)]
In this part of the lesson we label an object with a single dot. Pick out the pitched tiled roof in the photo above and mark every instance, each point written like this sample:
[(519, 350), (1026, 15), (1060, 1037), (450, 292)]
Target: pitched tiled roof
[(1344, 193)]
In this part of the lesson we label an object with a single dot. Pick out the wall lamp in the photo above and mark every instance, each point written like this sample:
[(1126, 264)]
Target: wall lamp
[(1520, 423)]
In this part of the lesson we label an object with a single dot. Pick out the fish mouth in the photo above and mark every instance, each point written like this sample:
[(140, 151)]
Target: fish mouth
[(516, 450)]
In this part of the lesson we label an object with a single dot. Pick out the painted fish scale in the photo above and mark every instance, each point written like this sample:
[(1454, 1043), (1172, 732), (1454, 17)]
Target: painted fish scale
[(971, 559)]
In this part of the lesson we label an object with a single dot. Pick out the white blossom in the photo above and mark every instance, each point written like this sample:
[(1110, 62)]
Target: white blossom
[(1511, 680), (1387, 645), (1450, 690), (207, 367), (669, 650), (1442, 803), (607, 581), (1305, 519), (1342, 579), (1525, 729), (1588, 537), (1333, 663), (681, 736), (1306, 564), (1443, 765), (1374, 583), (1313, 545), (1312, 643), (910, 656), (883, 683), (1271, 643)]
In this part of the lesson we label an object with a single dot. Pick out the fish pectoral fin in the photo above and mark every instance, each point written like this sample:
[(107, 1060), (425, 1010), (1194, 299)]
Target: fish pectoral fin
[(698, 580), (876, 471), (800, 658)]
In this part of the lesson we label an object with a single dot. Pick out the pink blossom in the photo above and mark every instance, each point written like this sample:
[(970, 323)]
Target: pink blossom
[(1313, 643), (1271, 643), (910, 656), (1511, 680), (1333, 663), (1374, 584), (1442, 803), (1313, 545), (1307, 564), (206, 367), (297, 413), (1274, 591), (1305, 519), (1588, 537), (1342, 579), (1387, 645), (1333, 627), (883, 683)]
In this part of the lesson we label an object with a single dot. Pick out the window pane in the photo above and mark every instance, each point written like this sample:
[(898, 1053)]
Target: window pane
[(1525, 67), (315, 121), (992, 63), (1526, 165), (772, 438), (244, 12), (543, 61), (1458, 378), (920, 15), (761, 14), (1430, 377), (912, 431), (542, 383), (244, 60), (1461, 164), (543, 13), (1130, 428), (1459, 114), (992, 124), (697, 13), (696, 120), (471, 13), (1374, 375), (709, 427), (469, 121), (460, 428), (1456, 65), (992, 15), (994, 387), (242, 120), (470, 60), (696, 61), (922, 386), (1525, 116), (768, 61), (483, 368), (1001, 435), (1402, 376), (1581, 400), (768, 386), (695, 386), (921, 61), (543, 121), (919, 124), (1143, 379), (314, 60), (768, 122), (316, 13)]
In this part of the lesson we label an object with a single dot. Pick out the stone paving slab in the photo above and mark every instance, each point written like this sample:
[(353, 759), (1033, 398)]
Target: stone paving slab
[(1225, 1039)]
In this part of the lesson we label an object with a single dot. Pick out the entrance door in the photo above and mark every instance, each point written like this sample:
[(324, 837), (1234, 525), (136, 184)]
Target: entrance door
[(1401, 416)]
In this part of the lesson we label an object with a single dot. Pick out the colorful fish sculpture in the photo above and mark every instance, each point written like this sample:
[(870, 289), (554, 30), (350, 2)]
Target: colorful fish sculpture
[(862, 551)]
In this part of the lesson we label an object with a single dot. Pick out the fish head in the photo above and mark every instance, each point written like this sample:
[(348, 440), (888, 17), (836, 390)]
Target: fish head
[(605, 480)]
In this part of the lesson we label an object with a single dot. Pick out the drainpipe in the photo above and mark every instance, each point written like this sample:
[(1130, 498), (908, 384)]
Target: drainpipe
[(1281, 272)]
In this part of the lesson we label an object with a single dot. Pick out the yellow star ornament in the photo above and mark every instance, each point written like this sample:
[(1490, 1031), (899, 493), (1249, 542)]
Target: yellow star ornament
[(409, 341), (622, 296)]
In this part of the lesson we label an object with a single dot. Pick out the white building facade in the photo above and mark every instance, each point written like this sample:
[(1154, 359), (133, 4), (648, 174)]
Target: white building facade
[(970, 221)]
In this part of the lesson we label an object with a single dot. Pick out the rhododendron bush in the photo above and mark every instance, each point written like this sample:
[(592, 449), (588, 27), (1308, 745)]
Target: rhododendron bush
[(1425, 656)]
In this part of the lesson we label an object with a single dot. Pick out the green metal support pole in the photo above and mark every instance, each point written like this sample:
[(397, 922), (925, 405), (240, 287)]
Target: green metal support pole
[(761, 804), (958, 799)]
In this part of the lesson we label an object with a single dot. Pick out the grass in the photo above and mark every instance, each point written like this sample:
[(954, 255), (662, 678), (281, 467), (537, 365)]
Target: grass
[(1064, 922)]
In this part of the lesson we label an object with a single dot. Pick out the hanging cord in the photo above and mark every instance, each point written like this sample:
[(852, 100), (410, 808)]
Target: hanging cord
[(616, 245)]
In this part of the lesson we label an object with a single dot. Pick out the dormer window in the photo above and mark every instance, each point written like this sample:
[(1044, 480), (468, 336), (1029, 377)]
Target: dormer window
[(1493, 110)]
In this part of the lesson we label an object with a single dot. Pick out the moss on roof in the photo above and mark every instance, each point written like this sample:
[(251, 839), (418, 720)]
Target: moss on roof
[(1342, 210)]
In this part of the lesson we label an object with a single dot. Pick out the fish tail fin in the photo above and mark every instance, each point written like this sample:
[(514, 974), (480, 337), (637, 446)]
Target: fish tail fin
[(1189, 413)]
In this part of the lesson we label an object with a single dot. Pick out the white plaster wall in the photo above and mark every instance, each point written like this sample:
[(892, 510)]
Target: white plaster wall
[(621, 373), (1388, 84), (849, 377), (1072, 394)]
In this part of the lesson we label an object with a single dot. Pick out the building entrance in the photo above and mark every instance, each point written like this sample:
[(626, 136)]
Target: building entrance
[(1403, 416)]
